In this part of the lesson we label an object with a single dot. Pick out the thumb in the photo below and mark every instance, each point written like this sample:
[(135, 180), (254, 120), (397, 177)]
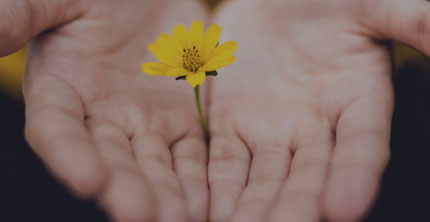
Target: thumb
[(406, 21), (22, 20)]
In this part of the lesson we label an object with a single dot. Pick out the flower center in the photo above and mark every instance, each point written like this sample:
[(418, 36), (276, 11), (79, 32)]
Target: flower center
[(191, 59)]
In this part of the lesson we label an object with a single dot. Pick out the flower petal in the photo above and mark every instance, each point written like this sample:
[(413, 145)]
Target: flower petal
[(218, 62), (195, 79), (196, 33), (155, 68), (177, 72), (225, 49), (181, 35), (210, 40), (165, 56), (166, 42)]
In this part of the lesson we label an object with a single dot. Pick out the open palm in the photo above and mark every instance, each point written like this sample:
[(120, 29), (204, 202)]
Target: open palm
[(300, 124), (132, 140)]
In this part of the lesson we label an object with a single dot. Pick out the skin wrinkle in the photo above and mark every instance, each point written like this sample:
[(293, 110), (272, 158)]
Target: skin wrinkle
[(110, 49), (116, 116), (81, 115), (263, 177), (134, 119), (58, 66), (223, 158), (106, 120), (304, 138), (369, 29)]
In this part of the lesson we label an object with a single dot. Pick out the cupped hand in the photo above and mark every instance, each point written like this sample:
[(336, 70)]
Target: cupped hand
[(107, 130), (300, 124)]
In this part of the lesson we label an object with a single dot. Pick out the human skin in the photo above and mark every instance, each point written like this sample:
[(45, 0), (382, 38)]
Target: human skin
[(131, 141), (312, 78), (300, 124)]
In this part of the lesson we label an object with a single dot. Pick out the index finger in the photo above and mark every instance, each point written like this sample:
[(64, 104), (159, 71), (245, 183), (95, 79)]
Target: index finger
[(55, 130), (360, 156)]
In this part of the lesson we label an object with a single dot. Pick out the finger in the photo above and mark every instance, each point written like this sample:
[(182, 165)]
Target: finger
[(360, 157), (229, 161), (404, 21), (153, 156), (55, 130), (300, 196), (22, 20), (190, 164), (126, 195), (269, 169)]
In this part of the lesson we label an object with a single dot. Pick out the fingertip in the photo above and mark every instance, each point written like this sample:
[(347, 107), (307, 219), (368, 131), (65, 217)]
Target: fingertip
[(87, 178), (126, 197), (349, 194), (198, 205), (223, 198)]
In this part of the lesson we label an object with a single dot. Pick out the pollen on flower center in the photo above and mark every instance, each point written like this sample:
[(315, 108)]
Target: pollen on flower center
[(191, 59)]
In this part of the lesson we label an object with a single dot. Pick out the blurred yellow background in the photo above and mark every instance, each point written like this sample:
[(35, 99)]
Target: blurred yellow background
[(11, 71)]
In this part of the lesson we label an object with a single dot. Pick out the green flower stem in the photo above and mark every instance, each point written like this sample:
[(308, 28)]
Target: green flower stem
[(199, 108)]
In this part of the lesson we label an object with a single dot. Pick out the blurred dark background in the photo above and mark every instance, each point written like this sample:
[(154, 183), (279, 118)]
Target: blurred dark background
[(29, 193)]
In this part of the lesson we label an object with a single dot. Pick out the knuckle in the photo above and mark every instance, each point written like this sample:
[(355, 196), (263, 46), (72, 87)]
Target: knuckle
[(223, 149), (190, 150)]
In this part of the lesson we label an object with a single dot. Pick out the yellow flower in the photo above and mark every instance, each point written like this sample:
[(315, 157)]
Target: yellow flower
[(190, 54)]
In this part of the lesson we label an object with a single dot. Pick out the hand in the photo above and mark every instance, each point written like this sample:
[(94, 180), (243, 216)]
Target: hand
[(104, 128), (300, 123)]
